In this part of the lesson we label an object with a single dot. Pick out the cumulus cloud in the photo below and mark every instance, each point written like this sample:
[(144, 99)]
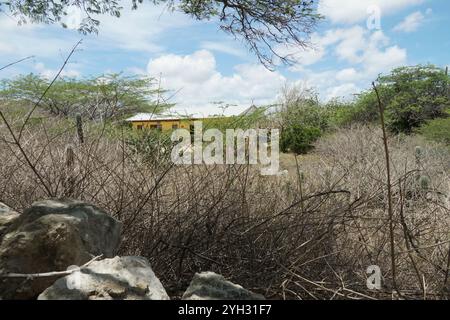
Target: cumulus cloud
[(198, 83), (228, 48), (342, 90), (360, 54), (348, 74), (363, 55), (353, 11), (136, 30), (351, 43), (301, 56), (19, 41), (411, 23), (366, 53), (141, 29), (49, 73)]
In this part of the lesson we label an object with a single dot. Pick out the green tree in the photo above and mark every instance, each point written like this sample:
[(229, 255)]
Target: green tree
[(411, 96), (261, 24), (364, 108), (107, 97), (414, 95)]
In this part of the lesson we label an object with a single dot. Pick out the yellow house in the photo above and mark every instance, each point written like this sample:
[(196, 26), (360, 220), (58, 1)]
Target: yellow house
[(143, 121), (162, 122)]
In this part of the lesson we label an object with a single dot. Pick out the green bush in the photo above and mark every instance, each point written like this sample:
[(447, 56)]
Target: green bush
[(299, 138), (303, 119), (362, 110), (437, 130)]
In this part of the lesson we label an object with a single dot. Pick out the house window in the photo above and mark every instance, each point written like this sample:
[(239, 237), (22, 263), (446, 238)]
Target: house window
[(175, 126), (139, 126), (157, 126)]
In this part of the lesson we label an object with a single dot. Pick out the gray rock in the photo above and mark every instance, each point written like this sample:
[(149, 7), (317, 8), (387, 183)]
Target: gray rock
[(120, 278), (50, 236), (212, 286), (7, 217)]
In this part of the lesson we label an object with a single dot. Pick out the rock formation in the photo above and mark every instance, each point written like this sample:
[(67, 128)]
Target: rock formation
[(124, 278), (212, 286), (50, 236), (52, 251)]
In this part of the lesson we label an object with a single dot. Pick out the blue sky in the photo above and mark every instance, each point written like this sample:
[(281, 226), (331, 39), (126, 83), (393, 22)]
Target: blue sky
[(202, 64)]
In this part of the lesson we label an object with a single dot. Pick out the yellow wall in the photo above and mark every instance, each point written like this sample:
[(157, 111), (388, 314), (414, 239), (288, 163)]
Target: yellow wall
[(165, 124)]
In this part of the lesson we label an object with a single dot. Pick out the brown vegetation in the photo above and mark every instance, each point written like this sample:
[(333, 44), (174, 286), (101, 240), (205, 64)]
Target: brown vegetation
[(309, 235)]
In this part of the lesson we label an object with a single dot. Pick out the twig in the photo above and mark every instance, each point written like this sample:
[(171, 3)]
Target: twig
[(15, 62), (294, 204), (408, 239), (389, 187), (300, 180), (49, 274), (335, 292), (444, 285)]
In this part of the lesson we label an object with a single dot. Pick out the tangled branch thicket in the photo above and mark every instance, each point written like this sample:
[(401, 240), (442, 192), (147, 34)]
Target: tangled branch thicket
[(308, 235)]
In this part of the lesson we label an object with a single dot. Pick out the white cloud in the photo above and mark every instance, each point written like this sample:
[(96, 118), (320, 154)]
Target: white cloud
[(6, 48), (354, 45), (301, 56), (367, 54), (353, 11), (377, 61), (140, 29), (199, 83), (341, 90), (411, 23), (28, 39), (348, 74), (195, 68), (351, 44), (135, 30), (228, 48), (361, 54), (48, 73)]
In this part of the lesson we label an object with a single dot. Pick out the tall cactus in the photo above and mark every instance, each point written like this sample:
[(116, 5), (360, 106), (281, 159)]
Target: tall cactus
[(80, 132), (418, 155)]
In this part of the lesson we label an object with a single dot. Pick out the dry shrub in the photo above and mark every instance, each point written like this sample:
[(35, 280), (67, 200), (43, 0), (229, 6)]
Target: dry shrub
[(420, 178), (308, 235)]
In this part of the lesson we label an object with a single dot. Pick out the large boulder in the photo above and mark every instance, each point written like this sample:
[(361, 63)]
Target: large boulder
[(50, 236), (212, 286), (7, 216), (120, 278)]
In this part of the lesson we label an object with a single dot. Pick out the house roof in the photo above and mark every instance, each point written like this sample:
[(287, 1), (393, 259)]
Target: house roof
[(169, 117), (154, 117)]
